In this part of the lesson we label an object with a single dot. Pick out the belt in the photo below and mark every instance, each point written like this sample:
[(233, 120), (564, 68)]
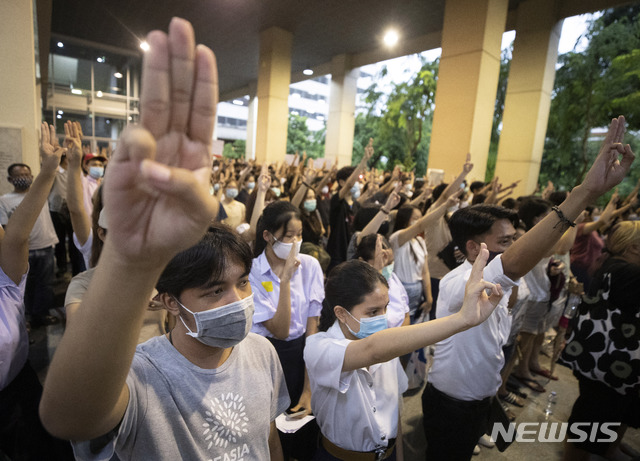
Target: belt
[(458, 402), (348, 455)]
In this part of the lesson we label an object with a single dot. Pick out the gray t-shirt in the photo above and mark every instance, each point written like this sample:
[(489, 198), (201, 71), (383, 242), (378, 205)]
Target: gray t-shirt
[(180, 411)]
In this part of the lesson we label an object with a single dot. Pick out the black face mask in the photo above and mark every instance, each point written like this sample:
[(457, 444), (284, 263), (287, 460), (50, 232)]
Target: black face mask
[(493, 254)]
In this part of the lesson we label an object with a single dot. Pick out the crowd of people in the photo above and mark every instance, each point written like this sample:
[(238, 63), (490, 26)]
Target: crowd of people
[(209, 298)]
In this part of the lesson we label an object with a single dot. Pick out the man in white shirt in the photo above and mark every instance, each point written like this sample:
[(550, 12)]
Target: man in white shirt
[(466, 371), (38, 297)]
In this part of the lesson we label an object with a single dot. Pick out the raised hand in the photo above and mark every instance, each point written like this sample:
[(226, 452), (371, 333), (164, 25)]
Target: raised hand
[(50, 150), (608, 170), (291, 264), (393, 199), (468, 166), (264, 180), (156, 187), (379, 256), (73, 142), (477, 305)]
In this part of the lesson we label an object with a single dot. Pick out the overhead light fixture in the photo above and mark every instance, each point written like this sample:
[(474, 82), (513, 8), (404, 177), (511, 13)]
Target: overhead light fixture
[(144, 46), (100, 59), (58, 116), (76, 91), (307, 72), (130, 118), (117, 75), (107, 121), (99, 94), (237, 102), (60, 112), (391, 38), (60, 45)]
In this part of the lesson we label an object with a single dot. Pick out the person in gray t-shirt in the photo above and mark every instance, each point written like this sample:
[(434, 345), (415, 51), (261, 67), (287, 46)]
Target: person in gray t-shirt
[(205, 390)]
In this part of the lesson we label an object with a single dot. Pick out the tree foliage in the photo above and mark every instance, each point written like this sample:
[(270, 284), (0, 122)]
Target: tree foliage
[(400, 122), (590, 88), (300, 138)]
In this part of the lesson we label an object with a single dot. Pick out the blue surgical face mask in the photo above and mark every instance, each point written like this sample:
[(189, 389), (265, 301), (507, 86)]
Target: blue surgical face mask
[(387, 271), (232, 192), (310, 205), (355, 191), (96, 172), (251, 185), (368, 326), (223, 326), (276, 190)]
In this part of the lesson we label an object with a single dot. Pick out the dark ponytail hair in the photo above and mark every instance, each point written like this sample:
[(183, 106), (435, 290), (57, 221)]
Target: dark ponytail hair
[(347, 285), (274, 217), (403, 217)]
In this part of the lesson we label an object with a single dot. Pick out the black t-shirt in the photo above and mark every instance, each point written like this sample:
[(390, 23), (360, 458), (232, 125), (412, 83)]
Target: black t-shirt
[(243, 196), (341, 221)]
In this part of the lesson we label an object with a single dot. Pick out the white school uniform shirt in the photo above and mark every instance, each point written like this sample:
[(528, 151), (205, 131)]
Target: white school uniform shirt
[(409, 259), (356, 410), (307, 294), (398, 302), (467, 365)]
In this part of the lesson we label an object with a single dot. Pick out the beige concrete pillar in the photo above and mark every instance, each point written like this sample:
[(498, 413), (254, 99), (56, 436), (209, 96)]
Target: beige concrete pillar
[(252, 123), (342, 107), (528, 98), (274, 77), (19, 99), (467, 84)]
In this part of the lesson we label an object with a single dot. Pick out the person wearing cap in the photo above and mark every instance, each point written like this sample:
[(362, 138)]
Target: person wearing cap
[(89, 233), (93, 166)]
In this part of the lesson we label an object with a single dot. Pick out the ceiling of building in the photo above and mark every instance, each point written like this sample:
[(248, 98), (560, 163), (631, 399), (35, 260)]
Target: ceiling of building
[(321, 28)]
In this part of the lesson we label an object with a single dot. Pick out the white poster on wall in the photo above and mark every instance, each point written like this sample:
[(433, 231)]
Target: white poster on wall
[(10, 152)]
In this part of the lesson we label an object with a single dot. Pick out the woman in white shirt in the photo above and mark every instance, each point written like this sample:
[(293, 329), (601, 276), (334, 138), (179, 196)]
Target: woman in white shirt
[(356, 381), (288, 290), (410, 252)]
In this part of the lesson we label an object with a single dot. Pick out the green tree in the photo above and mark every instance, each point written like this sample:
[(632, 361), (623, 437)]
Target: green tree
[(400, 123), (235, 149), (501, 96), (590, 88), (300, 138)]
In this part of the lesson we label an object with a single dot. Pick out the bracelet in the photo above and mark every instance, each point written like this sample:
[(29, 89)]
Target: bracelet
[(384, 211), (563, 218)]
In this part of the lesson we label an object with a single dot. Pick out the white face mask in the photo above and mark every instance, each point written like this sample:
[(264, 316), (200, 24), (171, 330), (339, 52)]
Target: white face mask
[(282, 250), (223, 326)]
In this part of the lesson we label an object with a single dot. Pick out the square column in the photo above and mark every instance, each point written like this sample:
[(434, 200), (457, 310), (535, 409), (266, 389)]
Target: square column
[(250, 152), (19, 97), (274, 77), (528, 98), (342, 107), (467, 83)]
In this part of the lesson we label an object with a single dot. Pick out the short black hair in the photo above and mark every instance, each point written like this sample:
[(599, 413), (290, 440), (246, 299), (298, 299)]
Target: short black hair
[(475, 220), (476, 185), (557, 197), (532, 207), (206, 261), (344, 173), (16, 165)]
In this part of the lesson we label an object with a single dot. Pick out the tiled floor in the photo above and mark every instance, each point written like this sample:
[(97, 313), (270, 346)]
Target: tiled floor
[(47, 339)]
